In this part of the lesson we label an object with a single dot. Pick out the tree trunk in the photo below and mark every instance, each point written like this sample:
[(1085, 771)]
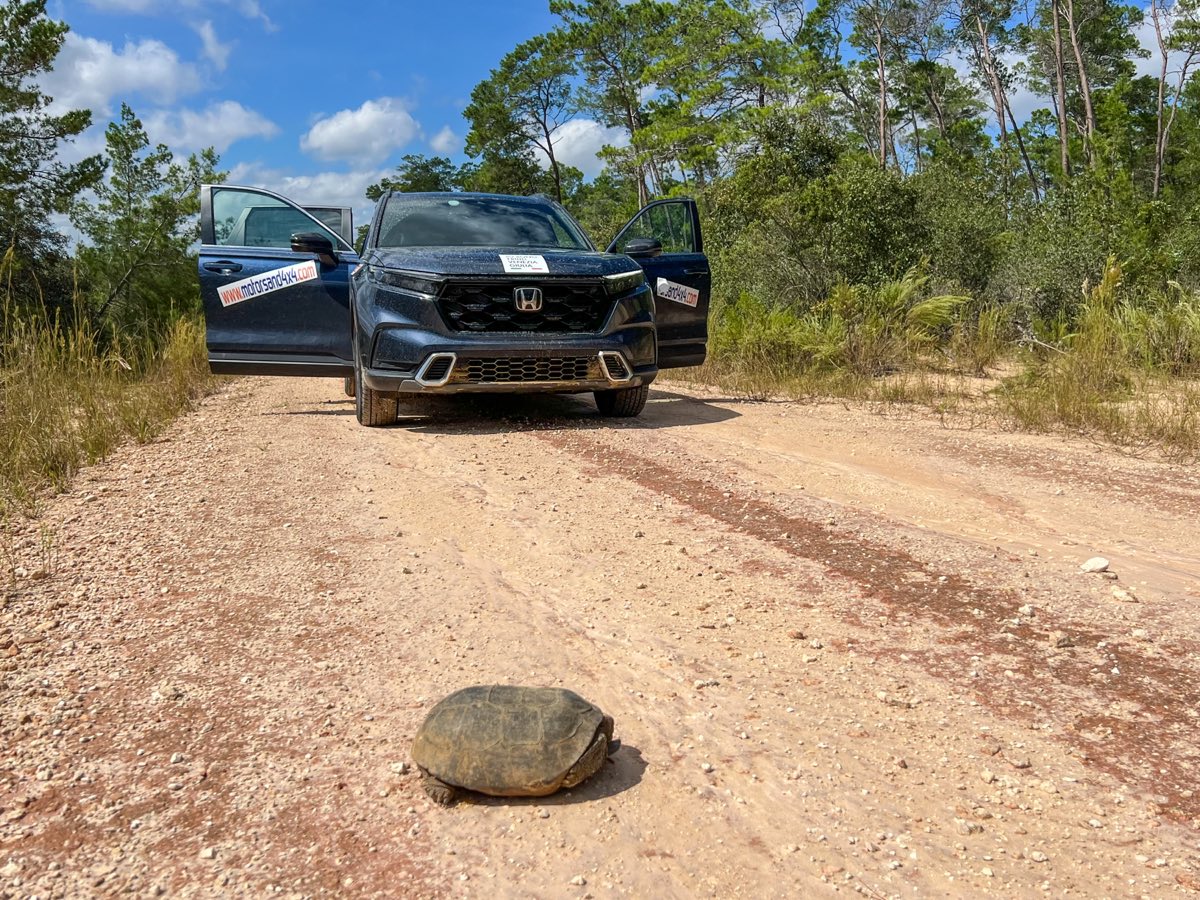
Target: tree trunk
[(1166, 132), (1033, 181), (1159, 130), (554, 167), (1085, 90), (1060, 85), (883, 135), (939, 114), (993, 77), (916, 138), (633, 123)]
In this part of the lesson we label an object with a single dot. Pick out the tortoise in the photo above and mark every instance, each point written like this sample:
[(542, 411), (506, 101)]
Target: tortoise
[(510, 741)]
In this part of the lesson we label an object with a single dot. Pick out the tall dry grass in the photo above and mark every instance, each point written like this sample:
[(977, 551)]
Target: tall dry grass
[(1128, 372), (68, 399)]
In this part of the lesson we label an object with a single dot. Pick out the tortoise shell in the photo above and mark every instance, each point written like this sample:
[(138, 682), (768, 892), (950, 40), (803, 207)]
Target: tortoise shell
[(507, 741)]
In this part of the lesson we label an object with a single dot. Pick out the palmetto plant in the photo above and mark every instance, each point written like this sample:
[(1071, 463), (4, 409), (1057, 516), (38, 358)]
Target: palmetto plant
[(857, 330)]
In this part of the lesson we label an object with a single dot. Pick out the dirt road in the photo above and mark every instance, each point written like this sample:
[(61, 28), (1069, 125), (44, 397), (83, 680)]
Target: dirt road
[(844, 652)]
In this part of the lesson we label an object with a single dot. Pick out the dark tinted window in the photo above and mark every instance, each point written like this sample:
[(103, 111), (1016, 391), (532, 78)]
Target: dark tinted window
[(275, 227), (475, 222), (668, 223), (334, 217), (247, 218)]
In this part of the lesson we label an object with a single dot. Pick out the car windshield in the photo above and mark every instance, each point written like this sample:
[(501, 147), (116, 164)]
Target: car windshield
[(476, 222)]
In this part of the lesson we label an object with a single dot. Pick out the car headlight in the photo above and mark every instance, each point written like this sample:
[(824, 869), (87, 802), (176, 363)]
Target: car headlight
[(624, 281), (405, 281)]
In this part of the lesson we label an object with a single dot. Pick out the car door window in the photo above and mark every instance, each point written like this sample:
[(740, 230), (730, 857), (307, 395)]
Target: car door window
[(336, 218), (249, 219), (668, 223)]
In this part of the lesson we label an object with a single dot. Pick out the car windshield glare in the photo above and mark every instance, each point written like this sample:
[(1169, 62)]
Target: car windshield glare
[(476, 222)]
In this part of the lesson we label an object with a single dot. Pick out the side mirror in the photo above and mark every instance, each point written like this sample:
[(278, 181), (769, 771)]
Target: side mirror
[(643, 248), (318, 244)]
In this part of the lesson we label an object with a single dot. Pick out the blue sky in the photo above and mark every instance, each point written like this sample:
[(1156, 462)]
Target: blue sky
[(315, 100)]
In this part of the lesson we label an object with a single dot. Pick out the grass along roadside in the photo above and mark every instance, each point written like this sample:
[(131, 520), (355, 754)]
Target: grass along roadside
[(67, 401), (1124, 369)]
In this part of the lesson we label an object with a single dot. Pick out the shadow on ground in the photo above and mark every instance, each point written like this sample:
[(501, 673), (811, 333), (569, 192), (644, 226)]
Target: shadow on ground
[(505, 413)]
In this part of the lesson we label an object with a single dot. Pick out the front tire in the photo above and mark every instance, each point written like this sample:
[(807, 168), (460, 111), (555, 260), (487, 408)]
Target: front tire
[(624, 403), (373, 409)]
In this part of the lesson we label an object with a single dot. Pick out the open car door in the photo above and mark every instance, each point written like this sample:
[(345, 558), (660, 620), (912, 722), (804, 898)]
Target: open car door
[(665, 240), (275, 284)]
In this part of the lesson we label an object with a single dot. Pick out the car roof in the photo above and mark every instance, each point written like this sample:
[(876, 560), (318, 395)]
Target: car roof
[(533, 200)]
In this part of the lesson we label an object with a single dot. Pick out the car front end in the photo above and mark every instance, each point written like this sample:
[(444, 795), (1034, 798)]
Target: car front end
[(456, 320)]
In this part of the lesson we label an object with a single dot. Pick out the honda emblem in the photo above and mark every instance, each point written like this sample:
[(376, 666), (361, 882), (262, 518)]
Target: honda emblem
[(528, 299)]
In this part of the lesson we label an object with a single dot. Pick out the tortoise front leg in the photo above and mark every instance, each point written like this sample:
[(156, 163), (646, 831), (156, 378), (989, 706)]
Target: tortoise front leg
[(439, 792)]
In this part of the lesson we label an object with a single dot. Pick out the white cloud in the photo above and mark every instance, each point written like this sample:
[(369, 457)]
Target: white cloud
[(214, 51), (366, 136), (251, 9), (218, 125), (446, 142), (90, 74), (578, 141), (1151, 64)]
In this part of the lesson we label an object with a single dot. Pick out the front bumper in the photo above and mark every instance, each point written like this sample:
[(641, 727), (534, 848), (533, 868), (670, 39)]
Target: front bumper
[(514, 370)]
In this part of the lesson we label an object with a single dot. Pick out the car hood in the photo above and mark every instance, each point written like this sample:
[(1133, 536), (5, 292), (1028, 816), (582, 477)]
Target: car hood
[(477, 261)]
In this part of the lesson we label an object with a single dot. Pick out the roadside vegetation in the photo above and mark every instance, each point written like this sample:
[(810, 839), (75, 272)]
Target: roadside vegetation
[(970, 203), (69, 397), (100, 340)]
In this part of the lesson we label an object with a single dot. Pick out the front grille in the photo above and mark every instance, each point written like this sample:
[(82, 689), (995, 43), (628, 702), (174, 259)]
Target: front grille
[(574, 307), (526, 370)]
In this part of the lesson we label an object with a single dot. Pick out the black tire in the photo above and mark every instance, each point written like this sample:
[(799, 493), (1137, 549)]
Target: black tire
[(372, 408), (348, 386), (624, 403)]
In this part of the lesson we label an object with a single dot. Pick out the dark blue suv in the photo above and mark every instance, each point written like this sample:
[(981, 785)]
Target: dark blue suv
[(454, 292)]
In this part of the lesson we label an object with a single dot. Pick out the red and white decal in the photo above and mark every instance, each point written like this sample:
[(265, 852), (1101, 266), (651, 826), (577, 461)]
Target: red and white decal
[(677, 293), (267, 283)]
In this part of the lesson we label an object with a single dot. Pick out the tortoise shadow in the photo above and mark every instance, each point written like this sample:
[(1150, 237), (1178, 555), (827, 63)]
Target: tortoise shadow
[(624, 770)]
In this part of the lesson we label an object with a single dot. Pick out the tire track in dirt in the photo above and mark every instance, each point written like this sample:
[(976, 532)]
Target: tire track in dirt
[(1150, 744)]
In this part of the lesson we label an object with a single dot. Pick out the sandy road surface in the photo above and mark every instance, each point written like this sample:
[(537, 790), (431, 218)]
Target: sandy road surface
[(844, 652)]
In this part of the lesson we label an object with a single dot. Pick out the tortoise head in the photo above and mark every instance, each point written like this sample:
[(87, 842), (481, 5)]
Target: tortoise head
[(593, 758)]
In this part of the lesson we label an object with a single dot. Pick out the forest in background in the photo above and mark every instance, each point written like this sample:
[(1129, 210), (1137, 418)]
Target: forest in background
[(888, 214), (875, 202)]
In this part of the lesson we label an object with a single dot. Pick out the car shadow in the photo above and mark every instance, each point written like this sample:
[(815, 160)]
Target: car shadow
[(506, 413), (313, 412), (624, 770)]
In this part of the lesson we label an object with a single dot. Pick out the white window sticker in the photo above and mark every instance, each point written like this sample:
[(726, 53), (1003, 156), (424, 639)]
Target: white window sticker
[(524, 264), (678, 293), (267, 283)]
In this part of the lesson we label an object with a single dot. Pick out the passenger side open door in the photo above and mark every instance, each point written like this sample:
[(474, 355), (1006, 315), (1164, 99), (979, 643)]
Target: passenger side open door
[(275, 284), (665, 240)]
